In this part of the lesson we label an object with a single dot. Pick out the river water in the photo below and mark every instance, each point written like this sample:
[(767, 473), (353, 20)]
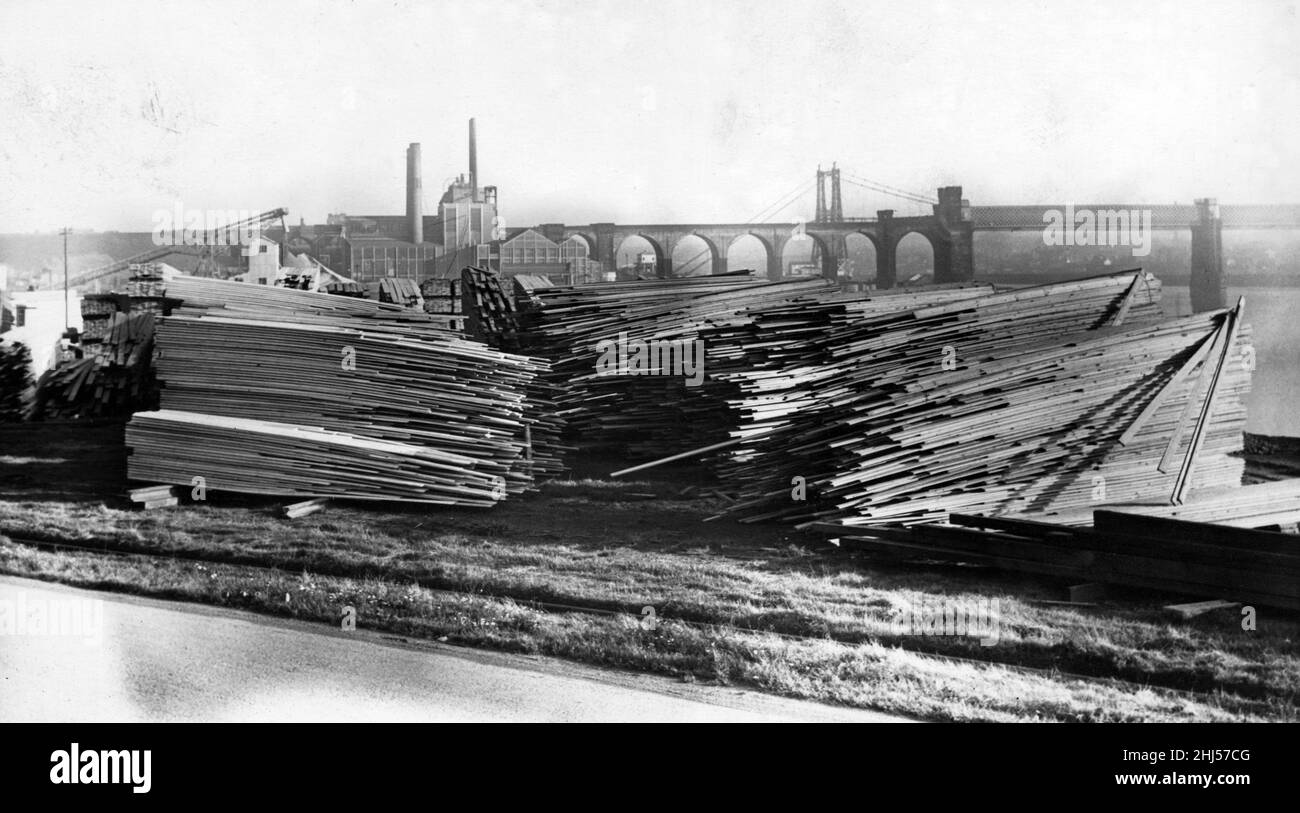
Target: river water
[(1274, 314)]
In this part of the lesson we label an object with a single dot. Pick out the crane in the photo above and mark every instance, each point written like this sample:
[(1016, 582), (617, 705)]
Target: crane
[(209, 239)]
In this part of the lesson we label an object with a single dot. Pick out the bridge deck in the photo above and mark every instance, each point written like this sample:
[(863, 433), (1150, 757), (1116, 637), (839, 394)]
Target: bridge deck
[(1249, 216)]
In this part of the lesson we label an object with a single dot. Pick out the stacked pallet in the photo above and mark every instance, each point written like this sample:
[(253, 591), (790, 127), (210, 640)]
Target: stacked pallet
[(1195, 558), (454, 419), (1026, 401)]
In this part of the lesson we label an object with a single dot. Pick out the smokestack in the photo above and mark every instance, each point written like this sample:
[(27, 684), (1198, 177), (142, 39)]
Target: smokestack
[(473, 161), (414, 194)]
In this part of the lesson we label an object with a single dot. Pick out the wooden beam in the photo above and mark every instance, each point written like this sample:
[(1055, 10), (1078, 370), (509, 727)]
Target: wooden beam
[(306, 507), (682, 456), (1195, 608), (1207, 409)]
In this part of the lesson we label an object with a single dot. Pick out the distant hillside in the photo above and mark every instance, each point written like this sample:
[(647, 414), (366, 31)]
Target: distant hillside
[(35, 258)]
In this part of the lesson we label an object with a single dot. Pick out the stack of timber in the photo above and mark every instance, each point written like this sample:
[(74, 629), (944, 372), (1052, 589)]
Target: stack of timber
[(757, 358), (315, 395), (267, 457), (490, 312), (145, 281), (1269, 505), (207, 293), (1212, 561), (113, 378), (401, 291), (1021, 402), (346, 288), (15, 380), (153, 497), (97, 310), (203, 293), (126, 340), (640, 406), (525, 288), (441, 295)]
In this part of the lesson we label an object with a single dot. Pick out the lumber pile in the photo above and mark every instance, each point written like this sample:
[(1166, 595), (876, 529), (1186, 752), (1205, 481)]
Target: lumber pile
[(113, 378), (525, 288), (125, 340), (1211, 561), (315, 395), (490, 313), (401, 291), (346, 288), (15, 379), (268, 457), (1014, 402), (648, 411), (207, 293), (441, 295), (145, 281), (152, 497), (1262, 505)]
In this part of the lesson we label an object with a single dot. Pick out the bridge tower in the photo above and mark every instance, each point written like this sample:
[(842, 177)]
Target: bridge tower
[(837, 205), (886, 249), (1208, 285), (820, 215), (954, 251)]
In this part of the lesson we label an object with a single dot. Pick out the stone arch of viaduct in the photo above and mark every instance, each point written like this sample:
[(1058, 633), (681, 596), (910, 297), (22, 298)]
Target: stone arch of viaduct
[(950, 233)]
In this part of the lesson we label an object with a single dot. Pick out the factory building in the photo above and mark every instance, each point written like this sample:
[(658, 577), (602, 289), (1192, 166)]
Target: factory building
[(531, 252), (466, 230), (414, 245)]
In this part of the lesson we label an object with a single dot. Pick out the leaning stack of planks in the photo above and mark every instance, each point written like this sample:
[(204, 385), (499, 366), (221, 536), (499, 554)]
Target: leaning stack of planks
[(1030, 401), (114, 377), (15, 380), (314, 395), (646, 409), (757, 357), (1212, 561), (490, 313)]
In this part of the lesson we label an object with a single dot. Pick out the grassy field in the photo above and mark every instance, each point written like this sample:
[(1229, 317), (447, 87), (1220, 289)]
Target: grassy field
[(567, 571)]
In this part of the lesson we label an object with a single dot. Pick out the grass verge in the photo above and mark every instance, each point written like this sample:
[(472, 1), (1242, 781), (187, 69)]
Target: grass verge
[(719, 590)]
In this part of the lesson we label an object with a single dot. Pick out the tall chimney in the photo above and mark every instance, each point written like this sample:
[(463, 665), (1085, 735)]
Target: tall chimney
[(473, 161), (414, 194)]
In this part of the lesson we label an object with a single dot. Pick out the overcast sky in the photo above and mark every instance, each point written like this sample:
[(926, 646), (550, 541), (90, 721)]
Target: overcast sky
[(640, 111)]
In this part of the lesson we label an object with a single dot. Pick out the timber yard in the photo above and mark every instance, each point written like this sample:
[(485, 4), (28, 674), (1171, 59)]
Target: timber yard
[(945, 495)]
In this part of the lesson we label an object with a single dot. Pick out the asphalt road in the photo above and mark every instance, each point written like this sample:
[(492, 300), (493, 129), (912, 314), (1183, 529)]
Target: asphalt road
[(168, 661)]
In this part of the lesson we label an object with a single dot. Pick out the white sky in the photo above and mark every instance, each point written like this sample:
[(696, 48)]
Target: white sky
[(637, 111)]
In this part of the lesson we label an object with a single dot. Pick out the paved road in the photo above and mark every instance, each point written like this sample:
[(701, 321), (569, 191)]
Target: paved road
[(155, 660)]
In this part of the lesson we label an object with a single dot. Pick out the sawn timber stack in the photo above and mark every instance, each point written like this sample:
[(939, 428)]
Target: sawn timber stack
[(1028, 401), (313, 395)]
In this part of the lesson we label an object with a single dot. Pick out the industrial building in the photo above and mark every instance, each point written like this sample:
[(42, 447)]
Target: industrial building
[(368, 248), (566, 260)]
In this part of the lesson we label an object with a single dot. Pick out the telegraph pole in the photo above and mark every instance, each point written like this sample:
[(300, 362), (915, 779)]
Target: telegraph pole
[(65, 278)]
